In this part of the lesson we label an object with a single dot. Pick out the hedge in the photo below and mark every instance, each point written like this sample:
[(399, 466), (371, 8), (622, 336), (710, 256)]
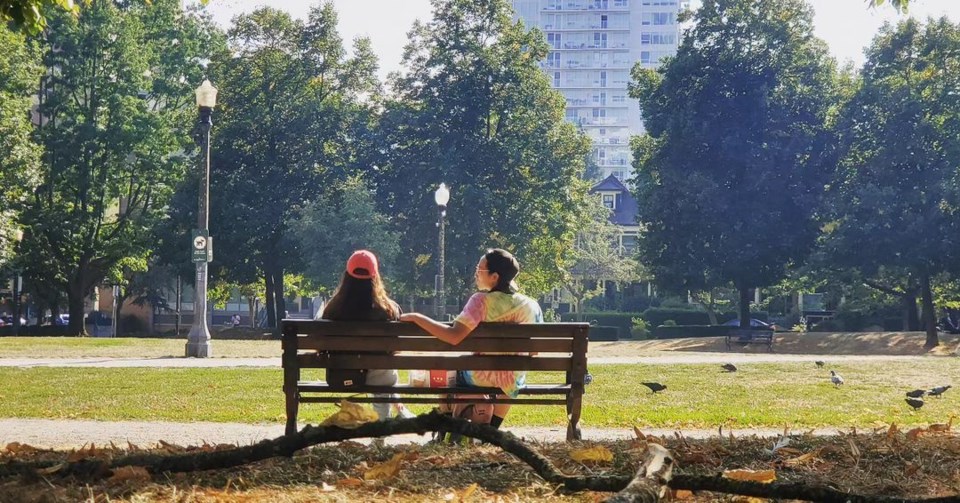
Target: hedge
[(682, 331), (623, 321), (601, 333), (657, 315)]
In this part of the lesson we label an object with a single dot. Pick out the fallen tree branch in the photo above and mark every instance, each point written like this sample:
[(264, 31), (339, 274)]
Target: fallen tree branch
[(287, 445), (650, 483)]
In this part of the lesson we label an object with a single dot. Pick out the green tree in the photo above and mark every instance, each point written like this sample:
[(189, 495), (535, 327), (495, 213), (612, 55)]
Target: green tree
[(117, 101), (348, 211), (30, 16), (20, 70), (598, 257), (290, 119), (896, 200), (730, 175), (474, 111)]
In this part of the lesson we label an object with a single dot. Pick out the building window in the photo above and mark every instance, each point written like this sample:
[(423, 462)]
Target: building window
[(618, 174), (571, 115), (553, 60), (609, 201), (556, 79), (644, 38), (554, 40), (603, 22), (662, 18), (621, 3), (603, 99), (603, 131), (619, 98), (644, 56), (603, 79), (600, 40), (599, 113)]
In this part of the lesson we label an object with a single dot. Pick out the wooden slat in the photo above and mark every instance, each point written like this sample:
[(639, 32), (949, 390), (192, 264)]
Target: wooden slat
[(376, 343), (533, 389), (398, 329), (471, 362), (420, 399)]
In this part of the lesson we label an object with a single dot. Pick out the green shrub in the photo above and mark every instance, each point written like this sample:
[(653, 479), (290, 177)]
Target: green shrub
[(655, 316), (602, 333), (669, 323), (623, 321), (641, 329)]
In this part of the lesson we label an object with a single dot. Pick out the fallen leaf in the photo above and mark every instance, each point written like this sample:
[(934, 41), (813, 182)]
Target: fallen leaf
[(854, 451), (327, 488), (349, 482), (387, 469), (51, 469), (910, 469), (892, 431), (682, 494), (469, 491), (639, 434), (789, 451), (805, 458), (351, 416), (129, 473), (744, 475), (18, 448), (915, 433), (597, 454)]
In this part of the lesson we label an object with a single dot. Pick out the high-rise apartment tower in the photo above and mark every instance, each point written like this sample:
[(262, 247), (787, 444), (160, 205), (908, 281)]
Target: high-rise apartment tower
[(594, 44)]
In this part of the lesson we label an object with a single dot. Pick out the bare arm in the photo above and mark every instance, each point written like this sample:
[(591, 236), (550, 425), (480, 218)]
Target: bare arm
[(451, 334)]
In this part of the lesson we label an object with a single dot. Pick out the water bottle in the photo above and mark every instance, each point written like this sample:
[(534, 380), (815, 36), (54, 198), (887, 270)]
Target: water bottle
[(419, 378)]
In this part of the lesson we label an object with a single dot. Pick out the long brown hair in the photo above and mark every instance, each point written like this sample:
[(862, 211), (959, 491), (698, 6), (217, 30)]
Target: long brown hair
[(361, 300)]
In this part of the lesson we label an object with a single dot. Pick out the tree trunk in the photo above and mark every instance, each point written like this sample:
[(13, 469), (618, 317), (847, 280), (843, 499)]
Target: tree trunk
[(253, 311), (75, 296), (929, 316), (911, 322), (268, 300), (120, 300), (278, 294), (744, 306)]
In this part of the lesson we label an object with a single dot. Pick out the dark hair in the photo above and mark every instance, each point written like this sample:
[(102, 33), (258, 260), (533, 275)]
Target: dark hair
[(506, 266), (361, 300)]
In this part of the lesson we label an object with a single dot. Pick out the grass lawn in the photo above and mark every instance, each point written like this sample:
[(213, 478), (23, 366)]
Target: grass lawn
[(127, 347), (759, 395)]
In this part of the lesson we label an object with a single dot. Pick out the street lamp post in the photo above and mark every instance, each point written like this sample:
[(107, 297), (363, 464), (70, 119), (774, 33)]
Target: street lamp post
[(198, 340), (17, 288), (442, 197)]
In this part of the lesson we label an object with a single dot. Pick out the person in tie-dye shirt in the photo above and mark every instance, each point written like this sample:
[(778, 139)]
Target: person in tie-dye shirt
[(499, 302)]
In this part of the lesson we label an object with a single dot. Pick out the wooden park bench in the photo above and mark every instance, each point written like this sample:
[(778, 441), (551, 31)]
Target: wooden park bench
[(746, 336), (348, 345)]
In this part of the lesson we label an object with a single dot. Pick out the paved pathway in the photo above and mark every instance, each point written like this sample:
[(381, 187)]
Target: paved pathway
[(671, 359), (50, 433)]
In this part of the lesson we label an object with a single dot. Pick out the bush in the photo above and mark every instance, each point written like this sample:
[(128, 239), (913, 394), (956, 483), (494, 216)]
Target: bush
[(602, 333), (655, 316), (669, 323), (682, 331), (623, 321), (641, 329)]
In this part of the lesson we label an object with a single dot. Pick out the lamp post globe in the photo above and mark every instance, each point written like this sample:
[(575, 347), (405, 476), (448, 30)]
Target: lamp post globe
[(198, 340), (441, 197)]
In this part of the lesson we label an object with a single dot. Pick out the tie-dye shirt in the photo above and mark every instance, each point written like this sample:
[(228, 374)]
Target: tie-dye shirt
[(499, 307)]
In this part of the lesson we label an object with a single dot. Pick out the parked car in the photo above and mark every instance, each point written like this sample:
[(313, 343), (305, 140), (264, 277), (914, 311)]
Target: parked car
[(8, 320), (62, 320)]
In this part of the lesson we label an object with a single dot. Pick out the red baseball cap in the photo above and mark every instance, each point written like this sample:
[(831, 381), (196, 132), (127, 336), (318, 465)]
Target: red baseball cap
[(363, 265)]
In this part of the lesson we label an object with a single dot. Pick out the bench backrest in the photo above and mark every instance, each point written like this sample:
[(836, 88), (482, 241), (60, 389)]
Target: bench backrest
[(558, 346)]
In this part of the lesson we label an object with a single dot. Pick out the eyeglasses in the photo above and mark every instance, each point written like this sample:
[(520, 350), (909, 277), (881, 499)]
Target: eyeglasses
[(479, 270)]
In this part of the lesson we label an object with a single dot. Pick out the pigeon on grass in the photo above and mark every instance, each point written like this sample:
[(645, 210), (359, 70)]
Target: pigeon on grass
[(655, 386), (939, 391), (836, 379)]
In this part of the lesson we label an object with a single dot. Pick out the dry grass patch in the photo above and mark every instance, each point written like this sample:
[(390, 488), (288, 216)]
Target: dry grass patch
[(888, 461)]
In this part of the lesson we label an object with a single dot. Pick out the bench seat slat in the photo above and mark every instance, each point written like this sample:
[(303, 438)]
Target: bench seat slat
[(352, 343), (470, 362), (400, 329), (530, 389)]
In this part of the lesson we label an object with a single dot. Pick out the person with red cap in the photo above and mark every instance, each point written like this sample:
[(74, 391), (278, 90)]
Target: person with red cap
[(361, 296)]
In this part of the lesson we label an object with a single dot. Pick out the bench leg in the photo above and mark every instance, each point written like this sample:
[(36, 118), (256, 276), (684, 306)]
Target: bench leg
[(574, 402), (293, 404)]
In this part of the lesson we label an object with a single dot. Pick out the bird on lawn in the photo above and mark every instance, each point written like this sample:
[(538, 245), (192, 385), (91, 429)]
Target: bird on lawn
[(835, 378), (939, 390), (916, 403), (729, 367), (819, 363), (917, 393), (655, 386)]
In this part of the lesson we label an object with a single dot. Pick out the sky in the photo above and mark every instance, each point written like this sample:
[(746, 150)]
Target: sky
[(846, 25)]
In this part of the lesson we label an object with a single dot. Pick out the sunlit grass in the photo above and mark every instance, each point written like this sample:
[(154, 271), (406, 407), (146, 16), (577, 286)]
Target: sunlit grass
[(698, 396), (127, 347)]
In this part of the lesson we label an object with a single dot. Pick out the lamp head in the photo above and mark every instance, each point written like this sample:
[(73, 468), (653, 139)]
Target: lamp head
[(442, 195), (206, 95)]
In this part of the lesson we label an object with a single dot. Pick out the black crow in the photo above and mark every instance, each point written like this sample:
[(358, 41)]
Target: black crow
[(939, 390), (729, 367), (819, 363), (655, 386), (917, 393), (916, 403)]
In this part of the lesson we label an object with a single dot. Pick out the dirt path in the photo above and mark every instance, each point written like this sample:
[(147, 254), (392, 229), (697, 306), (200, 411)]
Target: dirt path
[(63, 434)]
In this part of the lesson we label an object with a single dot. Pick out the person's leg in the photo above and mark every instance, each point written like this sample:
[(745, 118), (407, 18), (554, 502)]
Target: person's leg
[(382, 377), (500, 411)]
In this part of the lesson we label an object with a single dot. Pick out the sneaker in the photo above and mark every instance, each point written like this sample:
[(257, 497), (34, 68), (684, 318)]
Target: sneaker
[(404, 413)]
